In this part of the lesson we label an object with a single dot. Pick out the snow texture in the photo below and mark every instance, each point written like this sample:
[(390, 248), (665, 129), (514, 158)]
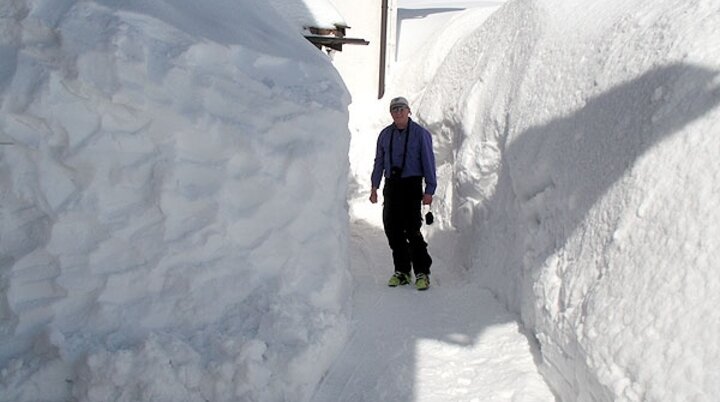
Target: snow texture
[(174, 214), (581, 141), (172, 191)]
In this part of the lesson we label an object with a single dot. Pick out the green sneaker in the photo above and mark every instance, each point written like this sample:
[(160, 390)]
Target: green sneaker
[(422, 281), (399, 278)]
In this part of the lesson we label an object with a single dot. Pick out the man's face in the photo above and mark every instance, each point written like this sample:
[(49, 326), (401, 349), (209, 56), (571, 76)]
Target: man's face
[(400, 115)]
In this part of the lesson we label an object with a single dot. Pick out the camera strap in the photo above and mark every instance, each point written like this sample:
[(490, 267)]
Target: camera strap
[(392, 137)]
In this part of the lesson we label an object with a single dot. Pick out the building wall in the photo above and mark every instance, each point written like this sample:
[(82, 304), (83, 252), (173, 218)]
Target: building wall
[(359, 65)]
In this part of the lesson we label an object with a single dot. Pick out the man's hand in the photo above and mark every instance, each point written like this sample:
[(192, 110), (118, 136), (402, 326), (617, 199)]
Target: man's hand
[(427, 199), (373, 196)]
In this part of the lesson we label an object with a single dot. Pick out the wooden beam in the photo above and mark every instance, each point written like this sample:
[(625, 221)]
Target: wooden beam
[(334, 42)]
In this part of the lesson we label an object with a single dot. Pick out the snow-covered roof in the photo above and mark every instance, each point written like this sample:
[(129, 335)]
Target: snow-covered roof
[(309, 13)]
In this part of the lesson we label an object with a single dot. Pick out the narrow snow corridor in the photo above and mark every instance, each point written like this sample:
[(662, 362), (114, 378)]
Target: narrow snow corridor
[(453, 342)]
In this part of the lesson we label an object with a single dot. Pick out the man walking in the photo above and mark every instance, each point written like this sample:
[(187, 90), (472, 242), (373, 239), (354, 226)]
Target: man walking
[(404, 157)]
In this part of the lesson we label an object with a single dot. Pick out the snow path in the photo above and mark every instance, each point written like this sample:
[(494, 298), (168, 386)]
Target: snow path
[(453, 342)]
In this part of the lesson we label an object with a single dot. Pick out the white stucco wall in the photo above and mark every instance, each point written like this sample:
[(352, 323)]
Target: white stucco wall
[(359, 65)]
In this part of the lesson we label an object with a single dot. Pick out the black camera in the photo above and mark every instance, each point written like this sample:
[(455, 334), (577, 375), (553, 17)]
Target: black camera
[(429, 218)]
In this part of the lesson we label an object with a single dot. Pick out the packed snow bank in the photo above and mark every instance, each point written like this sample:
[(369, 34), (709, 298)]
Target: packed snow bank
[(582, 141), (172, 191)]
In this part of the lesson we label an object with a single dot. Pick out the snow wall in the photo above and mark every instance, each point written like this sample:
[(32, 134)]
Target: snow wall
[(172, 203), (581, 140)]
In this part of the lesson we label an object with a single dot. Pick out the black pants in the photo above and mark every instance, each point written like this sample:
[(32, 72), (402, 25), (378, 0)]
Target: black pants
[(402, 221)]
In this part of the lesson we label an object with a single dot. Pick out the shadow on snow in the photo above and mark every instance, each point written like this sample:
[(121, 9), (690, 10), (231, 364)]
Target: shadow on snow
[(600, 142)]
